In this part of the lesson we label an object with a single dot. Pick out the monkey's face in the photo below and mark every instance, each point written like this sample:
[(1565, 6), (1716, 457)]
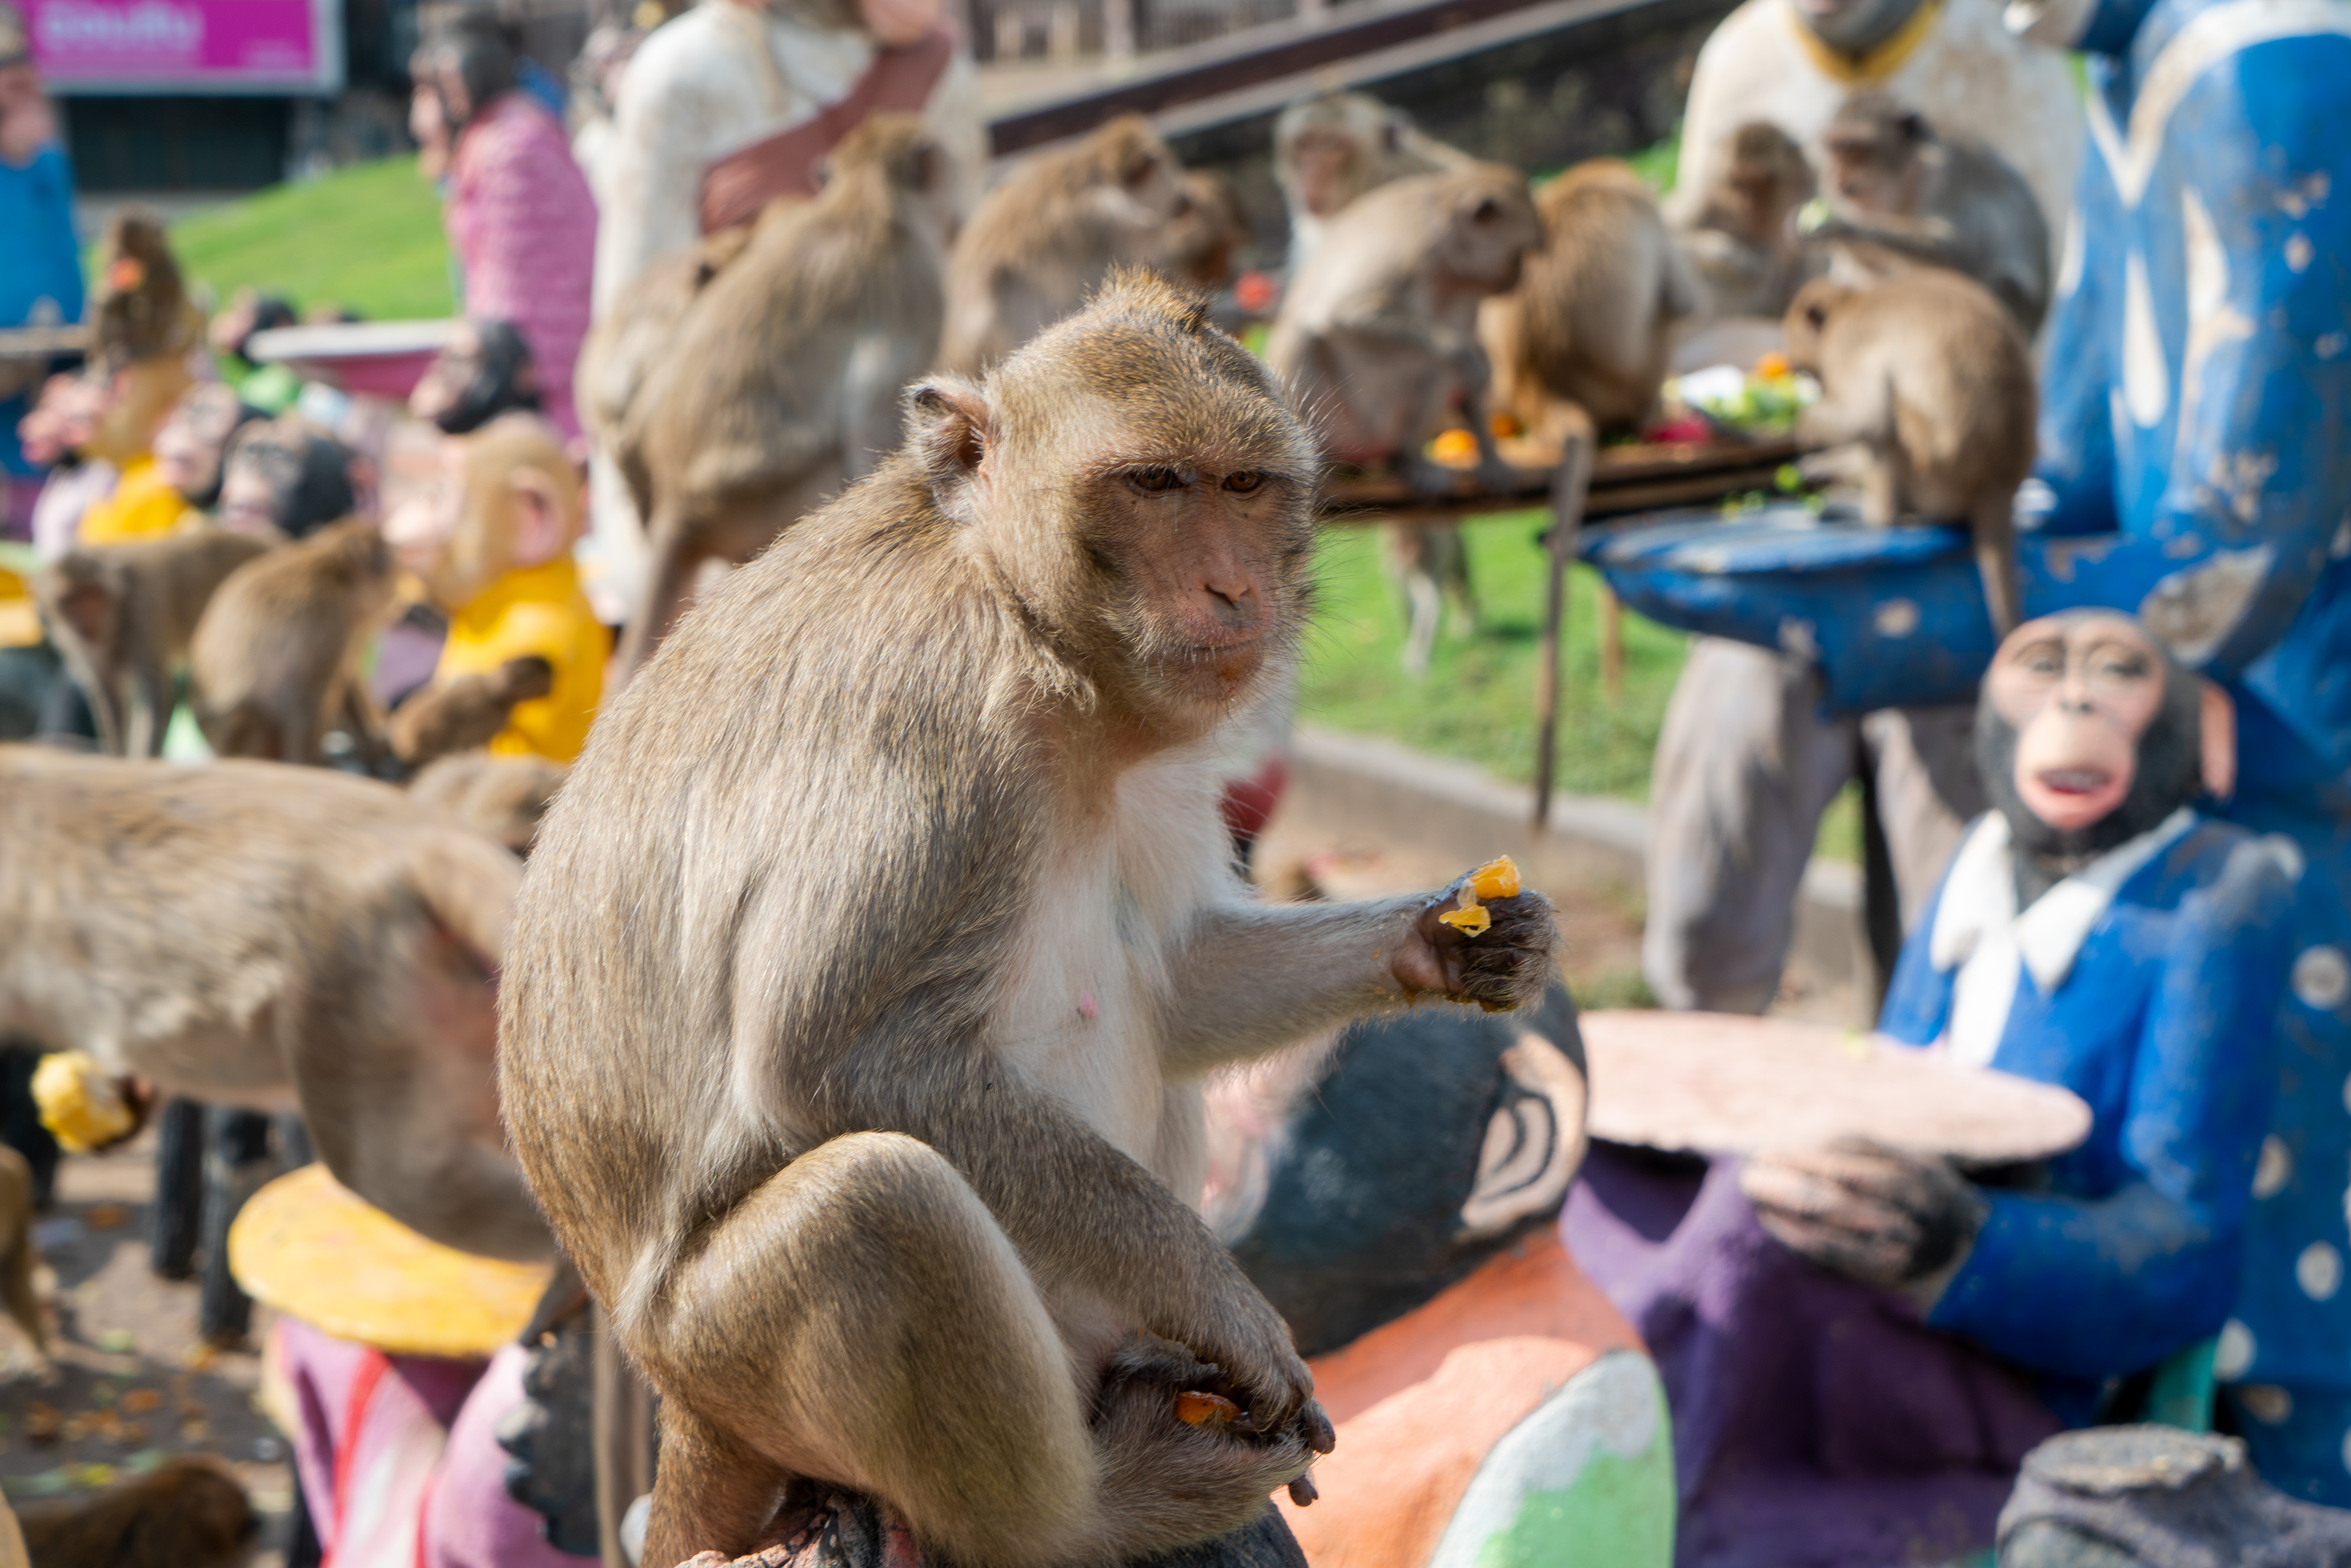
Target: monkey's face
[(2079, 693), (1494, 225), (1144, 489), (1326, 169)]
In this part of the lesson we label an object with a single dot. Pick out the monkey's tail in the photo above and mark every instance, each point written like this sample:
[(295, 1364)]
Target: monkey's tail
[(468, 886), (1993, 528)]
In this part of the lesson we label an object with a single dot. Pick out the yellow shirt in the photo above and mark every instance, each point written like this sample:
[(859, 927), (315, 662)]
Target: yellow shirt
[(142, 508), (535, 610)]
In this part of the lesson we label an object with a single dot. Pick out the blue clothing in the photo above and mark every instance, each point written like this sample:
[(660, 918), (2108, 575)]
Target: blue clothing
[(2196, 400), (2163, 1025), (40, 267)]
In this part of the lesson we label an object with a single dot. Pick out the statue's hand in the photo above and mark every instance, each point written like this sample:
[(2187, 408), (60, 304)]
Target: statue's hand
[(1883, 1216)]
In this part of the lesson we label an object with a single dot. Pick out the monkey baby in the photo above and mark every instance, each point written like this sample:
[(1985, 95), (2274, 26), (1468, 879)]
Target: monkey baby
[(782, 382), (523, 667), (1904, 197), (276, 938), (1742, 244), (122, 615), (1377, 338), (1929, 377), (869, 963)]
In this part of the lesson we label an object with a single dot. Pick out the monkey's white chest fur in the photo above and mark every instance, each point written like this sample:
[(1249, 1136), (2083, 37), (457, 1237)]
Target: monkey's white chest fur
[(1086, 989)]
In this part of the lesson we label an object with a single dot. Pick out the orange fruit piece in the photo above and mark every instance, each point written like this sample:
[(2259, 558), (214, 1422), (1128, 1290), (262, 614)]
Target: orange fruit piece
[(1195, 1409), (1471, 921), (1771, 367), (1455, 447), (1498, 878)]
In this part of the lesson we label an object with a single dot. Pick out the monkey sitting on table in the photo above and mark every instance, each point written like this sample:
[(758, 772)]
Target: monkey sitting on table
[(1927, 378), (889, 920), (523, 667), (1591, 322), (1330, 149), (2095, 931), (1377, 339), (1903, 197)]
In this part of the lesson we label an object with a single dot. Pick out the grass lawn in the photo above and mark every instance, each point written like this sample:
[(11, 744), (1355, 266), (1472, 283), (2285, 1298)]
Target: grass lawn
[(1477, 700), (367, 237)]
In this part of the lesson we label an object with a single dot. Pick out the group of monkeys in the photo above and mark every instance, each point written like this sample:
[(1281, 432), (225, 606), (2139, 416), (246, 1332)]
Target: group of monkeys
[(746, 378)]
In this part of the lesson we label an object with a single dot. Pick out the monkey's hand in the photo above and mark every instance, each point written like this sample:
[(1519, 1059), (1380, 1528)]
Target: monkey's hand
[(1503, 969), (1249, 1350), (466, 712), (1882, 1215)]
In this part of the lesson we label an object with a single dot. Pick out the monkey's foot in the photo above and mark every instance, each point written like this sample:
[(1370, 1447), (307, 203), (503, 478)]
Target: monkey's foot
[(831, 1530)]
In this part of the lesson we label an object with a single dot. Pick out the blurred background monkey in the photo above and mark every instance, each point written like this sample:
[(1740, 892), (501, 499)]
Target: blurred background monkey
[(1328, 150)]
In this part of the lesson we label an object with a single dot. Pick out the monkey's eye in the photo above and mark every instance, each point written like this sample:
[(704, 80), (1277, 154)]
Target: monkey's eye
[(1242, 483), (1155, 479)]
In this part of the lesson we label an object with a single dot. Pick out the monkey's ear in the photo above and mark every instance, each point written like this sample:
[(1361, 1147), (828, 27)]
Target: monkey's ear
[(1140, 171), (2216, 729), (1487, 211), (542, 523), (1816, 315), (950, 423)]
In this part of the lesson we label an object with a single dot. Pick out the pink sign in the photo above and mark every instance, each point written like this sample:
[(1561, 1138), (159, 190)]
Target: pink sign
[(188, 46)]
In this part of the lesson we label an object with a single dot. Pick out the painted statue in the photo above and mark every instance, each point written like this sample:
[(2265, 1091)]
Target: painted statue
[(2196, 379), (1871, 1374)]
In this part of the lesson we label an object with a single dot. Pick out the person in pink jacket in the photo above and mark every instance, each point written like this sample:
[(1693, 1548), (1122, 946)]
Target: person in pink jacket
[(520, 216)]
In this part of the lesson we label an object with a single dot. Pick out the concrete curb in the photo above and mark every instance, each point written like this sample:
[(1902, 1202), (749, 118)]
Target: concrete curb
[(1373, 785)]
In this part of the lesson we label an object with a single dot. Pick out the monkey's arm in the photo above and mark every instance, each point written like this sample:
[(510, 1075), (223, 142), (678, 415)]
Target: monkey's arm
[(1252, 978), (466, 712)]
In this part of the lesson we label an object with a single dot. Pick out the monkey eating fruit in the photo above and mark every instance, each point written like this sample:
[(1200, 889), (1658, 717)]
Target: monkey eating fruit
[(871, 957), (1927, 374)]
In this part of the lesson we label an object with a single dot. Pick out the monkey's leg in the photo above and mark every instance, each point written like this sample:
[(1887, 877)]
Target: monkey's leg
[(150, 707), (861, 1318)]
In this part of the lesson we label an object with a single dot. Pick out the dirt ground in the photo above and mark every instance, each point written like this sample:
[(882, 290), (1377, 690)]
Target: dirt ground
[(129, 1383)]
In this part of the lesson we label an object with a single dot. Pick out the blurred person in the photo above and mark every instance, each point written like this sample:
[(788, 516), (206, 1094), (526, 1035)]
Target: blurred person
[(285, 476), (40, 263), (520, 217), (270, 388), (596, 77), (191, 447), (53, 436), (484, 371)]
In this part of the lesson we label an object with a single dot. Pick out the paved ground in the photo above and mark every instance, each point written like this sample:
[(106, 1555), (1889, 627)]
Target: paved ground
[(128, 1381)]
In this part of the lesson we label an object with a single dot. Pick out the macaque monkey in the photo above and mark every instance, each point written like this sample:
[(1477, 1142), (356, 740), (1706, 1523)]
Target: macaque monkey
[(1742, 245), (1377, 338), (890, 920), (141, 311), (623, 350), (123, 616), (277, 658), (1933, 380), (782, 383), (1902, 197), (502, 798), (1591, 322), (284, 477), (276, 938), (188, 1513), (1051, 231), (1328, 150), (2088, 734)]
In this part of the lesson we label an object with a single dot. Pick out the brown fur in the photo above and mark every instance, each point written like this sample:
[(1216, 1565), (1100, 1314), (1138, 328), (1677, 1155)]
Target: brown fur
[(1328, 150), (638, 333), (275, 658), (501, 797), (1591, 322), (123, 616), (246, 934), (783, 379), (1207, 229), (1051, 231), (18, 1256), (1377, 338), (1935, 382), (1742, 245), (188, 1513), (142, 309), (1905, 197), (869, 962)]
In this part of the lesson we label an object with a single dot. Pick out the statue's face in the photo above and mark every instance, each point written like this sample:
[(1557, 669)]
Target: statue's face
[(1855, 25), (1356, 1181)]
